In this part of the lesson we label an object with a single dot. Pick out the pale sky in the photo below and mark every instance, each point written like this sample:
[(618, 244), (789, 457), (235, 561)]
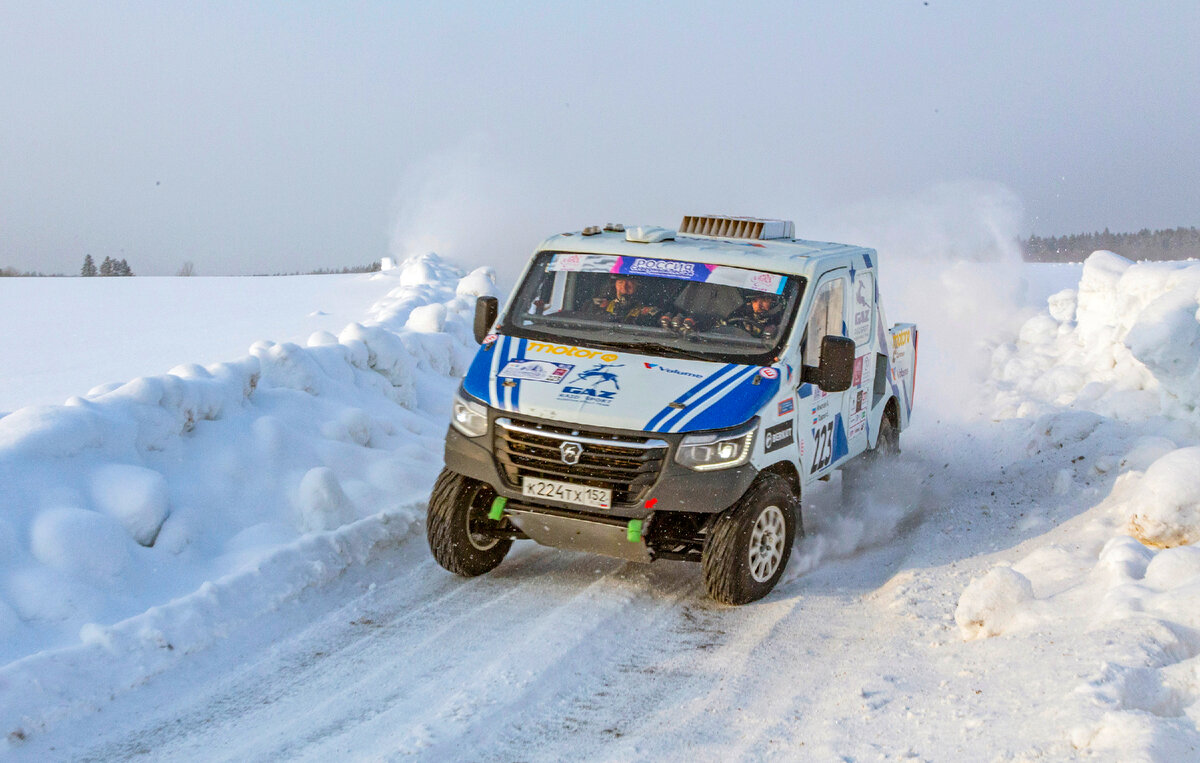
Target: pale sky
[(282, 136)]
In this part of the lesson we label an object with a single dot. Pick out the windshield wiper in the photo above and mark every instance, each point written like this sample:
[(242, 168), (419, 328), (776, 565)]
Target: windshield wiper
[(665, 349)]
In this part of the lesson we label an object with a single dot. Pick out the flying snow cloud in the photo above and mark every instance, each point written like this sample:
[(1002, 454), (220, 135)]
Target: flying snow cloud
[(951, 263), (468, 205)]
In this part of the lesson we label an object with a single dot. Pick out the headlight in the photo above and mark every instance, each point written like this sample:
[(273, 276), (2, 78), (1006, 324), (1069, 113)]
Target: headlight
[(717, 450), (469, 416)]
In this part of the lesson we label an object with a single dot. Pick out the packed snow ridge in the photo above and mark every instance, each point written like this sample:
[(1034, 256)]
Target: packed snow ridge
[(137, 494), (1112, 371)]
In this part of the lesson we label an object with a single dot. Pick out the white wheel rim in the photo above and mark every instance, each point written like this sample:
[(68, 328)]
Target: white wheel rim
[(766, 543)]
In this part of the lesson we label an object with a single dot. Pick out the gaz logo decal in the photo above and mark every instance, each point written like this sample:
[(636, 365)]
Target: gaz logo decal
[(778, 436), (823, 441)]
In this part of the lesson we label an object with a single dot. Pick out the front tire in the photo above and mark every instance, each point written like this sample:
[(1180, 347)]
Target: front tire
[(750, 544), (457, 526)]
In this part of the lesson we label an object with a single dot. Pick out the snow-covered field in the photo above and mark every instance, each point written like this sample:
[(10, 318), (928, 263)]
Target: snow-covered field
[(227, 561)]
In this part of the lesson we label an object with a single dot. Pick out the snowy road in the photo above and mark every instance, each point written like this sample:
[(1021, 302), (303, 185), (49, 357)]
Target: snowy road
[(1016, 588), (556, 653)]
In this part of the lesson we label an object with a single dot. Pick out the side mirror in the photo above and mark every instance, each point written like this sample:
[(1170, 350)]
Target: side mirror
[(836, 369), (486, 310)]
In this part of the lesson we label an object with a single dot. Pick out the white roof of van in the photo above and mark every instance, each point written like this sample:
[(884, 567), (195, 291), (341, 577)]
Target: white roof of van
[(780, 255)]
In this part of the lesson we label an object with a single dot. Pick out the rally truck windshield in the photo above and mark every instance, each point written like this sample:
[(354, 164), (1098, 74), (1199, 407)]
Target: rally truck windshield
[(671, 308)]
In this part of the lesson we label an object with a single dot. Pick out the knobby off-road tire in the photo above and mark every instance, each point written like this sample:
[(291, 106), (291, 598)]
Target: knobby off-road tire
[(750, 544), (458, 511)]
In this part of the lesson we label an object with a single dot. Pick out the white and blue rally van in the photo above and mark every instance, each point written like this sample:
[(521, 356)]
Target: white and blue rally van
[(656, 394)]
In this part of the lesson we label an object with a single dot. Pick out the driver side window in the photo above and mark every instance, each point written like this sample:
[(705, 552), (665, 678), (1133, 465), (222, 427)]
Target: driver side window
[(826, 318)]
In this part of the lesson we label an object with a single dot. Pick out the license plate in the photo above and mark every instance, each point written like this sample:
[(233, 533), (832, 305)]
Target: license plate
[(594, 497)]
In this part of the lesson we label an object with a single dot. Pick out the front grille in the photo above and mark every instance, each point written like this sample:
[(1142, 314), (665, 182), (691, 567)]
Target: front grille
[(626, 464)]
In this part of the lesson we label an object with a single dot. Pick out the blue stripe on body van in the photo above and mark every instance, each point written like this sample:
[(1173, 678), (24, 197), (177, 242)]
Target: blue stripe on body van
[(711, 397), (476, 382), (735, 407), (658, 418), (515, 395)]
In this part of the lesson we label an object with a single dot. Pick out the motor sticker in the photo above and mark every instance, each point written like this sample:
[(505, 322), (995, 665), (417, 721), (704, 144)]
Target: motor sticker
[(769, 373), (536, 370), (778, 436), (786, 406), (574, 352)]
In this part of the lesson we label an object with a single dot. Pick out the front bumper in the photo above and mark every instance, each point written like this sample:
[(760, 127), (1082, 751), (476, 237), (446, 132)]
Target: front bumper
[(677, 488)]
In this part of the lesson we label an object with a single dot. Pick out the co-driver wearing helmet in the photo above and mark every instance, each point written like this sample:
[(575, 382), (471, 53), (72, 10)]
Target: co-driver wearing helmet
[(758, 317)]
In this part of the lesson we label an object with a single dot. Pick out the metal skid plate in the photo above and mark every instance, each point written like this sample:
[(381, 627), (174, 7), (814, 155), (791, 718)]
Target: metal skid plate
[(608, 537)]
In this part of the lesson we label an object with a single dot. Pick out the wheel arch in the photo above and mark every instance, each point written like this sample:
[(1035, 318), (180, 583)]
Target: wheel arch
[(785, 469)]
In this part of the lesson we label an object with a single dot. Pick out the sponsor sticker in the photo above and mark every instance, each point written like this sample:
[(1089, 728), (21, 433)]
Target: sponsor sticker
[(571, 352), (490, 338), (536, 370), (686, 271), (786, 406), (778, 436), (769, 373), (597, 385), (664, 369)]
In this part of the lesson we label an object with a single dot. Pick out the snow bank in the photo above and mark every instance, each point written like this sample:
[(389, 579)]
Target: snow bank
[(1111, 372), (139, 493), (1125, 344)]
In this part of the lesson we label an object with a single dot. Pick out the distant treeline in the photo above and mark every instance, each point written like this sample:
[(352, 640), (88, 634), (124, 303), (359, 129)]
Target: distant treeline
[(1170, 244), (372, 268), (14, 273), (121, 268)]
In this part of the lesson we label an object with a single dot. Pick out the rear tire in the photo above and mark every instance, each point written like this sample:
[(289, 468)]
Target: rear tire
[(457, 526), (887, 449), (750, 544)]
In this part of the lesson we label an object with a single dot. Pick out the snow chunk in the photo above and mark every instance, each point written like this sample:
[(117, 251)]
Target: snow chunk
[(136, 497), (480, 282), (1169, 512), (418, 271), (427, 318), (50, 431), (323, 503), (992, 604), (80, 542), (1173, 567)]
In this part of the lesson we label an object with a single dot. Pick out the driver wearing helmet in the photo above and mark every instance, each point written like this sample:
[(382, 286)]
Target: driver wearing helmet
[(625, 305)]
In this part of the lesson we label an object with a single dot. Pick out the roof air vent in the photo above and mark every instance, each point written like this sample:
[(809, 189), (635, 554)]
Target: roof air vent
[(713, 226)]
